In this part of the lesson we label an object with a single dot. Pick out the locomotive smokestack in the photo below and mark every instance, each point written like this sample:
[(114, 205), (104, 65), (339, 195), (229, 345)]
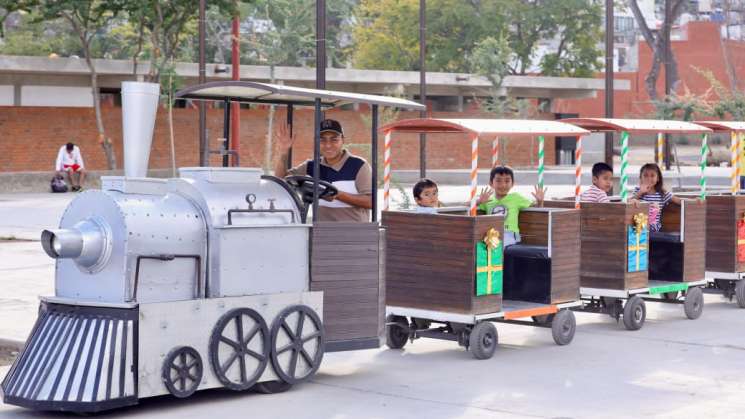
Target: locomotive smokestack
[(139, 107)]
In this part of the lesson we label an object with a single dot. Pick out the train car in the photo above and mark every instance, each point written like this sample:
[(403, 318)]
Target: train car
[(448, 275), (212, 279), (623, 262), (725, 224)]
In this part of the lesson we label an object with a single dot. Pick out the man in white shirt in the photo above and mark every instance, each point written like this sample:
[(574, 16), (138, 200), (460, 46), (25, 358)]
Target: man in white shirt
[(70, 162)]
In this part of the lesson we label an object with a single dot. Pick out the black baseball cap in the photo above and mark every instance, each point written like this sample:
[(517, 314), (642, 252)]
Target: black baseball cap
[(331, 125)]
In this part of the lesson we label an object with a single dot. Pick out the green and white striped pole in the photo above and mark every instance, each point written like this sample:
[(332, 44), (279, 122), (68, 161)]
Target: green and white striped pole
[(540, 161), (704, 152), (624, 166)]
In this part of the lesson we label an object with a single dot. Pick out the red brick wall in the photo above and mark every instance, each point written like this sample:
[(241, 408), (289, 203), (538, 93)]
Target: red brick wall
[(31, 137), (702, 49)]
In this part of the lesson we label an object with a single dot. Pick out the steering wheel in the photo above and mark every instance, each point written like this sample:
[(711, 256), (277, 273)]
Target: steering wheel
[(304, 185)]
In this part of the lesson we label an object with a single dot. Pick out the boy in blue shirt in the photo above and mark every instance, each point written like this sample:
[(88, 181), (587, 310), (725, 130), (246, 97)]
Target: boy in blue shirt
[(501, 201)]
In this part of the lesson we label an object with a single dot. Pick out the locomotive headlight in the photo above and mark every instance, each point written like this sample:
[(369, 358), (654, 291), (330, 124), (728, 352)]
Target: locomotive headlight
[(88, 243)]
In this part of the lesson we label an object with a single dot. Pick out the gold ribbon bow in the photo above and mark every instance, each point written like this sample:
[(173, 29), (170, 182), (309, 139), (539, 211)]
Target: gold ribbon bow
[(491, 240), (641, 221)]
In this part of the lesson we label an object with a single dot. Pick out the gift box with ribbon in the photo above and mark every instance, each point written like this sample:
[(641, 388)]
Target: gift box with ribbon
[(741, 240), (638, 242), (489, 264)]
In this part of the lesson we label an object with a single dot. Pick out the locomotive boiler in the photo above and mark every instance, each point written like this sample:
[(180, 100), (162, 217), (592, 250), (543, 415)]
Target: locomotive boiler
[(169, 286)]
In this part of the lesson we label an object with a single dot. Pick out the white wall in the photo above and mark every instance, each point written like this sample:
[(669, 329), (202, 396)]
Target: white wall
[(6, 95), (56, 96)]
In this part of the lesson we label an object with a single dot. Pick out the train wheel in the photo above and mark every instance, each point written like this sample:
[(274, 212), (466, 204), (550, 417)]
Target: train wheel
[(297, 344), (271, 387), (182, 371), (563, 326), (239, 348), (740, 293), (694, 303), (634, 313), (396, 335), (482, 341)]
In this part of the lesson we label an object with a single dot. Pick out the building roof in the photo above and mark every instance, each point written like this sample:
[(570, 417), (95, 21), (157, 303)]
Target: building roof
[(639, 126), (506, 127), (253, 92)]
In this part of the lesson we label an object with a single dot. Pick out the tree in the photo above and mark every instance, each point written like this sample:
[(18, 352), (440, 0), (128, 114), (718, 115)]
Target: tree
[(387, 36), (86, 17), (659, 42)]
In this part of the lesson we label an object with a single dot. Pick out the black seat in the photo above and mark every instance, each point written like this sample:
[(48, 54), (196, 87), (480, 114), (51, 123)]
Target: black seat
[(527, 273), (664, 236)]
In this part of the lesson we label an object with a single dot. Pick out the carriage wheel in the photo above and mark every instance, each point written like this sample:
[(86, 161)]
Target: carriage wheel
[(297, 344), (693, 305), (271, 387), (634, 313), (396, 335), (239, 348), (563, 327), (482, 342), (182, 371), (740, 293)]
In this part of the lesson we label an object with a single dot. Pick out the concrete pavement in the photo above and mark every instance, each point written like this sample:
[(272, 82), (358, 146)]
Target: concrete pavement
[(672, 368)]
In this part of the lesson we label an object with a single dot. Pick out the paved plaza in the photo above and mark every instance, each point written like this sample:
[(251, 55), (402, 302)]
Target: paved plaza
[(672, 368)]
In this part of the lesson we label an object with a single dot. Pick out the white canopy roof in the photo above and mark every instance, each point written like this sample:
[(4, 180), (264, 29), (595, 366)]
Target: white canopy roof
[(254, 92), (653, 126), (723, 125), (506, 127)]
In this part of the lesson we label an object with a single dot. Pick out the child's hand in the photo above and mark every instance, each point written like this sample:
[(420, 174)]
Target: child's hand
[(644, 189), (635, 202), (484, 195), (539, 194)]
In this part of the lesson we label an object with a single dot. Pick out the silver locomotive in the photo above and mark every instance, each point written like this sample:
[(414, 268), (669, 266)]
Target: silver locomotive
[(172, 286)]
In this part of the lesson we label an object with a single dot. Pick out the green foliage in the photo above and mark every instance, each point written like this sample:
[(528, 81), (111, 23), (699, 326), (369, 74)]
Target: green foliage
[(731, 103), (387, 34), (681, 107)]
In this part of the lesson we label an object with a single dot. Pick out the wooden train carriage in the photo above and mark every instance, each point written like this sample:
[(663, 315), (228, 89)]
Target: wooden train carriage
[(676, 251), (431, 260), (609, 255), (725, 234)]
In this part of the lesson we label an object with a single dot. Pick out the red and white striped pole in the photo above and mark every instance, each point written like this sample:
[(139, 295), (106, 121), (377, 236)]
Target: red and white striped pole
[(734, 157), (577, 170), (495, 152), (474, 170), (386, 170)]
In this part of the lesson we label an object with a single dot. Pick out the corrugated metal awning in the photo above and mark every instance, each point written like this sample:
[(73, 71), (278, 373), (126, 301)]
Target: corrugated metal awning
[(254, 92), (723, 126), (506, 127), (650, 126)]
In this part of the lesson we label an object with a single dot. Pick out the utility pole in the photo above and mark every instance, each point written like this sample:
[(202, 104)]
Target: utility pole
[(235, 133), (666, 29), (423, 84), (609, 41), (203, 145)]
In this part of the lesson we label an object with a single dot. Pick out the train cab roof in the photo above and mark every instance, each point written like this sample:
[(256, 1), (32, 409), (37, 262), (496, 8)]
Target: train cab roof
[(723, 126), (638, 126), (275, 94), (506, 127)]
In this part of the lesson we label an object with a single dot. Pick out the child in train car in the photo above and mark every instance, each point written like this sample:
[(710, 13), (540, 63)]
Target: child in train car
[(426, 196), (602, 183), (500, 201), (651, 190)]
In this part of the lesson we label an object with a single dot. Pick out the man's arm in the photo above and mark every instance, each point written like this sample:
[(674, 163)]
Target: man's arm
[(79, 157), (283, 144), (58, 162), (357, 200)]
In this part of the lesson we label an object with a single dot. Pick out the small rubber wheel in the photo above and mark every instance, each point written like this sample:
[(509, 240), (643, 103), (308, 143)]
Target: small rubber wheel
[(396, 334), (543, 320), (740, 293), (694, 303), (634, 313), (563, 327), (483, 340), (271, 387)]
